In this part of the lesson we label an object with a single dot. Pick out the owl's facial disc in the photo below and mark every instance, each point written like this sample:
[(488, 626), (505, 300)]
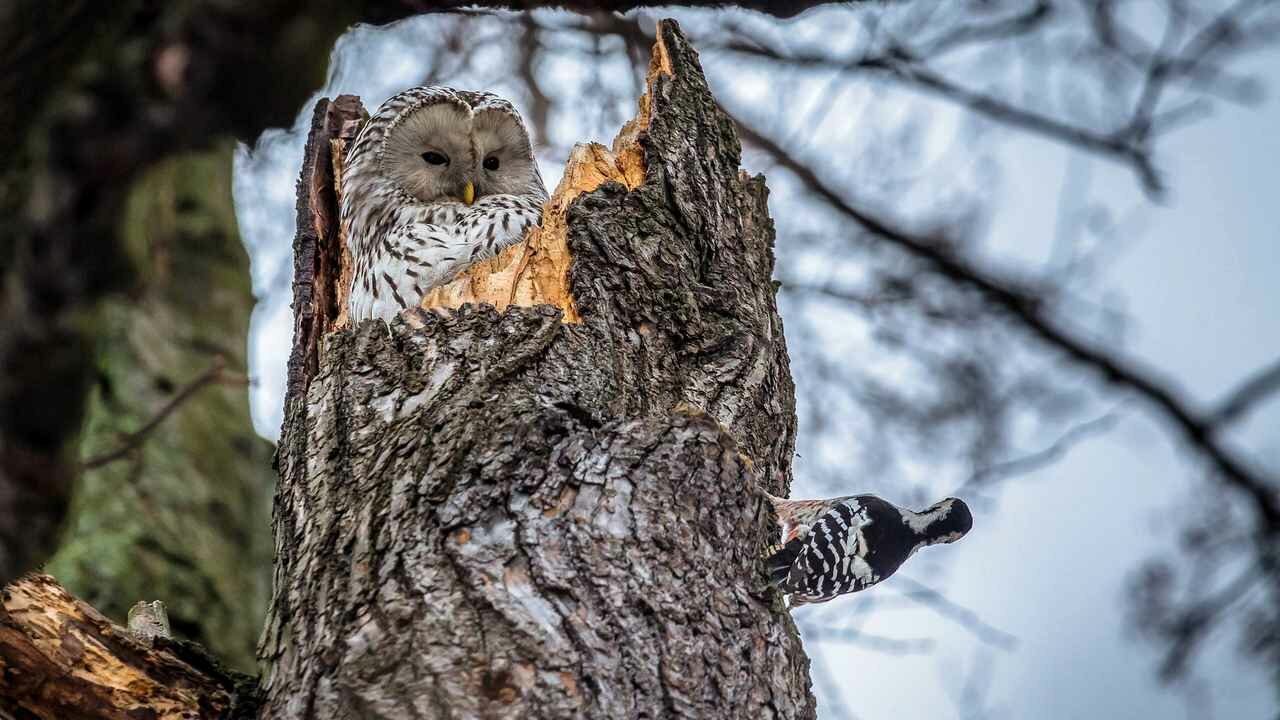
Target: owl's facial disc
[(430, 154), (506, 163)]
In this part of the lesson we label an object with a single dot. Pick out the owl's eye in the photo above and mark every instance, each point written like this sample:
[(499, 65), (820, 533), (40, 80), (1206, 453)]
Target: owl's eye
[(435, 158), (491, 163)]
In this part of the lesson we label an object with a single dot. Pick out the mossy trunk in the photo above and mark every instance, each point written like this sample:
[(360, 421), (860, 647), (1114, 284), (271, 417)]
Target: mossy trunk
[(181, 514), (94, 95), (508, 515)]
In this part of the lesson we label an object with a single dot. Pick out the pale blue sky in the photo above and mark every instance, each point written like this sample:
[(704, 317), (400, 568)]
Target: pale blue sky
[(1049, 563)]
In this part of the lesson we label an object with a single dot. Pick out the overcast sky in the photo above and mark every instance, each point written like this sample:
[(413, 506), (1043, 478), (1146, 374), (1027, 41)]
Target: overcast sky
[(1048, 562)]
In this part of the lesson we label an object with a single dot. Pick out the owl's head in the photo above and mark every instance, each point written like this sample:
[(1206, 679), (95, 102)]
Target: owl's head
[(444, 145)]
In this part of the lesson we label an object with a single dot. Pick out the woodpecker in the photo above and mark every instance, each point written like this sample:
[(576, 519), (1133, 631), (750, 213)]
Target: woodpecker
[(846, 544)]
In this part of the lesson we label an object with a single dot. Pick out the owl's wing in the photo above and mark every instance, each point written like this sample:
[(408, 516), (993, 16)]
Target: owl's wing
[(411, 259)]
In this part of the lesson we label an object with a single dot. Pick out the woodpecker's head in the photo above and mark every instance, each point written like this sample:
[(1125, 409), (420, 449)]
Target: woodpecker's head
[(946, 522)]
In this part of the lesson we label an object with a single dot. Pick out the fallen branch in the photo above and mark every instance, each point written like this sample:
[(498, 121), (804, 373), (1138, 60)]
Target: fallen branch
[(62, 660)]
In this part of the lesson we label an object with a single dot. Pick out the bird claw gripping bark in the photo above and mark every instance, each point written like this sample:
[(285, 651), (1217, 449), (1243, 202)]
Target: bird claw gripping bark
[(842, 545)]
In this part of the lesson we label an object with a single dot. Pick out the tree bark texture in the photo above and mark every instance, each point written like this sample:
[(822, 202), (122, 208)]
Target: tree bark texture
[(505, 515)]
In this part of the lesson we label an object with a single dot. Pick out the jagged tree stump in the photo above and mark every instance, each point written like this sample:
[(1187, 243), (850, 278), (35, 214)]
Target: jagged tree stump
[(552, 510)]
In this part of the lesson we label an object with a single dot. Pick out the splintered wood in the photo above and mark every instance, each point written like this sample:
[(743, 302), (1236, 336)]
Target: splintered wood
[(536, 271), (60, 658), (346, 269)]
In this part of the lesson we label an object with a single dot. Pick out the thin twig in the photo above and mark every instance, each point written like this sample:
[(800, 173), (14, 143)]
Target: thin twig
[(878, 643), (1251, 392), (539, 110), (1041, 458), (902, 68), (1003, 29), (132, 441), (965, 617)]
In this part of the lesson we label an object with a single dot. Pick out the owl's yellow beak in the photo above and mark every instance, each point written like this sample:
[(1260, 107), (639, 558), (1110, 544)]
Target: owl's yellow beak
[(468, 193)]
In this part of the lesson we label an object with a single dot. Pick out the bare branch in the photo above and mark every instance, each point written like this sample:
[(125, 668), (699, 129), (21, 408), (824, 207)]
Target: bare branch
[(963, 616), (539, 110), (852, 636), (1186, 628), (1042, 458), (968, 34), (1129, 142), (1022, 304), (134, 440), (899, 66), (1251, 392), (1223, 30)]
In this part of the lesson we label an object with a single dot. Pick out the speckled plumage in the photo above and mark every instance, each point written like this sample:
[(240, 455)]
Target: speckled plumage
[(408, 225), (831, 547)]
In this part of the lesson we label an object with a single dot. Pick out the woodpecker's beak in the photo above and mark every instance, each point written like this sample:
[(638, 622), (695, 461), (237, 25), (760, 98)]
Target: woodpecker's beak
[(469, 193)]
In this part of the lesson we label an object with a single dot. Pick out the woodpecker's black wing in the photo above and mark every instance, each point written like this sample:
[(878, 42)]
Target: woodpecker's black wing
[(827, 560)]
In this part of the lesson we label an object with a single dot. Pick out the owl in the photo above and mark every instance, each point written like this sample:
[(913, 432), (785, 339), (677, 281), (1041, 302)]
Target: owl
[(436, 180)]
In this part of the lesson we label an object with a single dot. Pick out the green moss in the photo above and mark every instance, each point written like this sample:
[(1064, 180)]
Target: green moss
[(186, 518)]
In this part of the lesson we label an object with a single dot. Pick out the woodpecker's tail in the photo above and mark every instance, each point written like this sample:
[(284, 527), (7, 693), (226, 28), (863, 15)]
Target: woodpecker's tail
[(781, 562)]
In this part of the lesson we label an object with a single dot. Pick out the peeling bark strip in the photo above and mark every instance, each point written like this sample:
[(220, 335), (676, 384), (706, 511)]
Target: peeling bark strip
[(62, 660), (501, 515), (319, 253)]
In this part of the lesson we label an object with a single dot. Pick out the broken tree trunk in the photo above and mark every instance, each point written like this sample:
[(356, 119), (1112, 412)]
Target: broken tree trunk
[(554, 510)]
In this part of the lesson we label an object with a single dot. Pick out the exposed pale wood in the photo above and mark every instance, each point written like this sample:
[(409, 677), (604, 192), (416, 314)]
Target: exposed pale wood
[(536, 272), (62, 660)]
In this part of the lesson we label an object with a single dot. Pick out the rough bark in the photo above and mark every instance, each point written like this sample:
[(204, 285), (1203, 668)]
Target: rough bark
[(62, 660), (505, 515)]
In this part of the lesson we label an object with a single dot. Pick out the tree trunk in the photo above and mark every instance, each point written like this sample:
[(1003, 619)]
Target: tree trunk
[(508, 515)]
